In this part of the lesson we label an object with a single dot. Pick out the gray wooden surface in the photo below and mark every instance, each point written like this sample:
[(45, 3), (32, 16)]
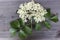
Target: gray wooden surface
[(8, 13)]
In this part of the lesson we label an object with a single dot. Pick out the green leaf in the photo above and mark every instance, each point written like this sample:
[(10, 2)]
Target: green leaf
[(47, 24), (38, 26), (54, 19), (28, 30), (20, 21), (49, 13), (12, 31), (15, 24), (22, 34)]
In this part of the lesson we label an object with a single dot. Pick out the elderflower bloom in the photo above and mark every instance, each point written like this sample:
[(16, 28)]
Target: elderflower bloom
[(32, 9)]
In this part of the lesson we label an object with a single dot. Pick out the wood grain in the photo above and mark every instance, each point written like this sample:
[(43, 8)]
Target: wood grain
[(8, 13)]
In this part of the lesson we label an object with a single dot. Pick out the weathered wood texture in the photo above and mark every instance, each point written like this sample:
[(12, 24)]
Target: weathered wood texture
[(8, 13)]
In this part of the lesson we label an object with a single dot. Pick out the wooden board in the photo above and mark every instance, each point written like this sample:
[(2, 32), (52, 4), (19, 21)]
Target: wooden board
[(8, 13)]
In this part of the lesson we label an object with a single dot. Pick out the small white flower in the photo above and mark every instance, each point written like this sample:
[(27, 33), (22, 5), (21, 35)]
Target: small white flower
[(25, 20), (30, 9)]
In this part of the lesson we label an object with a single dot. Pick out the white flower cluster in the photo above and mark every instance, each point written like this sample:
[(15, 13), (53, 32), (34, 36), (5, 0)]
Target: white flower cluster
[(31, 9)]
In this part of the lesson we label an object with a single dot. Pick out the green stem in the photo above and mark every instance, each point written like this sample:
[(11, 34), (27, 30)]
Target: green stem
[(31, 23)]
